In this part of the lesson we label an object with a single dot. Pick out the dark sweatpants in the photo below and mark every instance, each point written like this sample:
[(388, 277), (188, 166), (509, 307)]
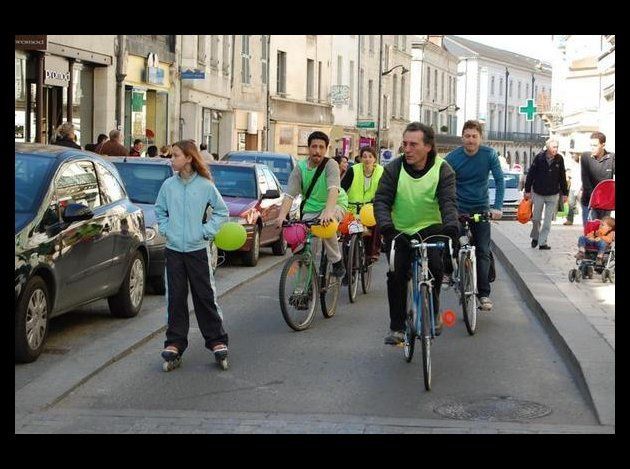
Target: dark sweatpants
[(182, 268), (397, 280)]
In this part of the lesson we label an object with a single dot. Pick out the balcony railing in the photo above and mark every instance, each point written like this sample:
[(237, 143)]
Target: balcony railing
[(515, 136)]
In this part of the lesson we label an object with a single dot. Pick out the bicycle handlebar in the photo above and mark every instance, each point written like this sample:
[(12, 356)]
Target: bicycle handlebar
[(308, 223), (475, 217)]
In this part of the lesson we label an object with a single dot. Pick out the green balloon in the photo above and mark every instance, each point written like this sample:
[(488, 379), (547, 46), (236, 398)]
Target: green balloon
[(231, 236)]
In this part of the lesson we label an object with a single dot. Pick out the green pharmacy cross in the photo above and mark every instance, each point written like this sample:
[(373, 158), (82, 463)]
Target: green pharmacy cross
[(530, 110)]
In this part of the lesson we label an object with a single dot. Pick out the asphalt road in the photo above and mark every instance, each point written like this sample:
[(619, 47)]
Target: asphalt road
[(339, 367)]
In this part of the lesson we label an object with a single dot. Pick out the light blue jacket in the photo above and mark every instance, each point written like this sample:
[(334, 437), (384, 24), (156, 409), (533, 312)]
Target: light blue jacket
[(180, 207)]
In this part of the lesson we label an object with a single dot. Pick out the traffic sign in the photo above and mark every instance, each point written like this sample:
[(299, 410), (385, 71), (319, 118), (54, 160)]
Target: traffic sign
[(365, 125)]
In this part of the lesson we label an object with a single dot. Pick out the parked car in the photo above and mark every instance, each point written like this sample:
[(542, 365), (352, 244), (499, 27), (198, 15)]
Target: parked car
[(78, 238), (280, 164), (143, 178), (513, 195), (252, 194)]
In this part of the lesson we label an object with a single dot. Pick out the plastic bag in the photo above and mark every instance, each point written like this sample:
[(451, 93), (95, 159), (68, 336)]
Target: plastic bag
[(524, 211)]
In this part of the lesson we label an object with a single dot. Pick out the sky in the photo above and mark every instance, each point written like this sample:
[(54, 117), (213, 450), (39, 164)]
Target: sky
[(535, 46)]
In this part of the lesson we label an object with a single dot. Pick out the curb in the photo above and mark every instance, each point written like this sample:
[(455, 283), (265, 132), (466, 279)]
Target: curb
[(590, 359), (59, 381)]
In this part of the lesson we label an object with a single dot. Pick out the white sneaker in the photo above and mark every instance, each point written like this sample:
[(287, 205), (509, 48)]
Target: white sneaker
[(485, 303)]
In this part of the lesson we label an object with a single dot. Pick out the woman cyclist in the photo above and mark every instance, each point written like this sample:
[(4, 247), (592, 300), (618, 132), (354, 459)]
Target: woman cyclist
[(360, 182)]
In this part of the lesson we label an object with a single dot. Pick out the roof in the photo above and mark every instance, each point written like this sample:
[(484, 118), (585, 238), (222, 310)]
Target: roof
[(54, 151), (136, 160), (463, 48), (271, 154), (242, 164)]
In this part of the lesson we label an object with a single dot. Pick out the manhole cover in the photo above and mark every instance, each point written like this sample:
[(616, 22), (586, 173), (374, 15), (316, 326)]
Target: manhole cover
[(494, 409)]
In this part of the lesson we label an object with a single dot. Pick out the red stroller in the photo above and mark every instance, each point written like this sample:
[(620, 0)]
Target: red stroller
[(602, 198)]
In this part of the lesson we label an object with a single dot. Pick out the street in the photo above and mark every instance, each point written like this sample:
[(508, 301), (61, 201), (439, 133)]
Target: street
[(338, 376)]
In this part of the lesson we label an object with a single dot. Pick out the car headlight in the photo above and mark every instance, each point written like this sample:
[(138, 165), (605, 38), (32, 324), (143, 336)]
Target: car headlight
[(151, 234)]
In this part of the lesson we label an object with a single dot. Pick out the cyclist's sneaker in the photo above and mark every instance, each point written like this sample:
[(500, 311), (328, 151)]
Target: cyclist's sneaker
[(438, 324), (395, 338), (338, 269), (485, 303)]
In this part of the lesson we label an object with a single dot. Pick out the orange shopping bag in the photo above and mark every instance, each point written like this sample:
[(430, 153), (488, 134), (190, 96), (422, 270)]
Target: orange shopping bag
[(524, 212)]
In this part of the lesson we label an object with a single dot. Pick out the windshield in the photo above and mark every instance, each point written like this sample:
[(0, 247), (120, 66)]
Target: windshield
[(233, 181), (511, 181), (31, 174), (143, 181), (280, 167)]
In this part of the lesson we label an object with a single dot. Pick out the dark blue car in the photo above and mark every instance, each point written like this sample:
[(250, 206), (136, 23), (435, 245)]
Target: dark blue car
[(78, 238)]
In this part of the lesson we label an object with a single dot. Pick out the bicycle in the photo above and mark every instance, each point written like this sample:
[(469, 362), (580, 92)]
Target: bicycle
[(464, 276), (300, 283), (355, 260), (420, 324)]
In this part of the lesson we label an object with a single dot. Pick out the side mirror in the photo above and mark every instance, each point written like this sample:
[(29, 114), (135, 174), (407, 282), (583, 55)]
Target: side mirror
[(77, 212), (271, 194)]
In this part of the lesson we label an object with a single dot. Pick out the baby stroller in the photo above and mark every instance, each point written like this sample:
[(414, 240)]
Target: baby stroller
[(602, 198)]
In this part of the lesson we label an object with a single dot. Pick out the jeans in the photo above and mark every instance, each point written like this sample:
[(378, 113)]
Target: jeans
[(481, 241), (584, 242), (331, 245), (573, 200), (550, 204)]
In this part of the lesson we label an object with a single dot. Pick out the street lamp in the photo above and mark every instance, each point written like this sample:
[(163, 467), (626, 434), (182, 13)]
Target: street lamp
[(449, 117), (380, 93), (507, 75)]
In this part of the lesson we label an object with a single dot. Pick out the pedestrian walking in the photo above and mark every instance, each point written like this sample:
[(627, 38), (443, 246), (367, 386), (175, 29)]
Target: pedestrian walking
[(100, 141), (597, 165), (113, 146), (574, 182), (207, 157), (548, 181), (152, 151), (180, 208)]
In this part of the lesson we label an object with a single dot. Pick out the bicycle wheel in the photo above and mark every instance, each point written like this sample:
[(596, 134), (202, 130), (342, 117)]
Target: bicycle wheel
[(366, 270), (298, 292), (467, 294), (329, 287), (410, 329), (425, 335), (353, 268)]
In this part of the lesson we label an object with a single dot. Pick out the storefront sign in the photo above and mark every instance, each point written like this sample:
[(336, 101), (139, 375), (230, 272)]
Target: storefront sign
[(31, 41), (365, 125), (56, 71), (155, 76)]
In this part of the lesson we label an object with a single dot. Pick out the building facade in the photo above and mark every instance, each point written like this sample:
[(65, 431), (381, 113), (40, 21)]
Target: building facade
[(492, 85), (299, 91), (60, 78), (584, 91)]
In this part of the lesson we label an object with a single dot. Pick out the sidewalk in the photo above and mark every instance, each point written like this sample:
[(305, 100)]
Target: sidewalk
[(580, 316)]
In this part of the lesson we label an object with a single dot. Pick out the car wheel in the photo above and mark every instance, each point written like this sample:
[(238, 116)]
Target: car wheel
[(31, 321), (128, 301), (250, 258)]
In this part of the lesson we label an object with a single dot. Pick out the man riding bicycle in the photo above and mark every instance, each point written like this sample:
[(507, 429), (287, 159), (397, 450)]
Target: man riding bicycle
[(472, 164), (327, 200), (416, 196)]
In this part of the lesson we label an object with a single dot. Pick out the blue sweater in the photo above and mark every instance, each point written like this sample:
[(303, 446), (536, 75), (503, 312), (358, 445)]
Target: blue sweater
[(471, 173), (180, 207)]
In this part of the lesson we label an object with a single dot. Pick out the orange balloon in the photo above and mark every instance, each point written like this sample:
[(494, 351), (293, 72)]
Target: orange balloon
[(449, 318)]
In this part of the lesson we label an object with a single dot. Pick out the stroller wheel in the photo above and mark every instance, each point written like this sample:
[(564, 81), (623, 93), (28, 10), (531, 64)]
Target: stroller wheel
[(578, 275), (590, 271), (604, 275), (573, 274)]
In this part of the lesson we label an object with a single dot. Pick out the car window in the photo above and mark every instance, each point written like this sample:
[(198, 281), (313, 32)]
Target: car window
[(281, 167), (143, 181), (511, 181), (233, 181), (31, 173), (271, 181), (77, 184), (111, 189), (262, 179)]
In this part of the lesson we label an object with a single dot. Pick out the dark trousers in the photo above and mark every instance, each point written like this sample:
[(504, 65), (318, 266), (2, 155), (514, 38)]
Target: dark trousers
[(397, 280), (183, 268), (481, 241)]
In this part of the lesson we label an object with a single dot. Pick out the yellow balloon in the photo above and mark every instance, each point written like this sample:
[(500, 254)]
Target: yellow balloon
[(367, 215), (325, 231)]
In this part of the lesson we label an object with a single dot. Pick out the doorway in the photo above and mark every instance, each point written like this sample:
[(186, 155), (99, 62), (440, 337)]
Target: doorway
[(52, 117)]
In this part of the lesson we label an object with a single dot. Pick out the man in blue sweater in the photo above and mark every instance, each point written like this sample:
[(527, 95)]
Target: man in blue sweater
[(472, 164)]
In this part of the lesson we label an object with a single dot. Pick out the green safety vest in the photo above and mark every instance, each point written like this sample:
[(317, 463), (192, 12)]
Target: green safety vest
[(317, 201), (416, 205), (357, 193)]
